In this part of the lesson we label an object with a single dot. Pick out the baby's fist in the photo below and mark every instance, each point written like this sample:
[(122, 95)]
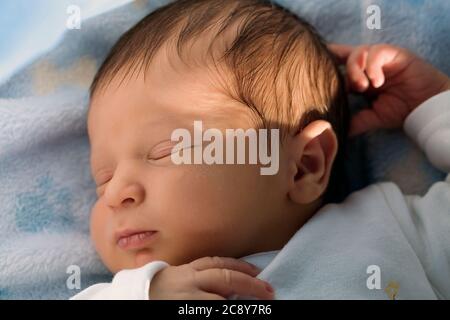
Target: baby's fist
[(209, 278), (400, 80)]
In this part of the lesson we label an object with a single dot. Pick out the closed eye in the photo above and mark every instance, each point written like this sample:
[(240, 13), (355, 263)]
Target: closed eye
[(160, 155), (167, 152), (161, 151), (101, 186), (104, 182)]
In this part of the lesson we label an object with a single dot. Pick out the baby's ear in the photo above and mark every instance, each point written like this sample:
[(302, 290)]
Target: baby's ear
[(312, 155)]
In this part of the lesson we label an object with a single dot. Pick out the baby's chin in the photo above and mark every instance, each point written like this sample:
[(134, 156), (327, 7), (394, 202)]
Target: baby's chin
[(137, 259), (143, 257), (131, 261)]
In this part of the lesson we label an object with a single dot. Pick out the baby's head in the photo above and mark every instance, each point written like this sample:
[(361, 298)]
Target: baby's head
[(230, 64)]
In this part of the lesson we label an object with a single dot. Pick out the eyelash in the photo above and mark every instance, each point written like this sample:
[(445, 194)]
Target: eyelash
[(106, 181), (169, 152), (153, 158), (160, 154)]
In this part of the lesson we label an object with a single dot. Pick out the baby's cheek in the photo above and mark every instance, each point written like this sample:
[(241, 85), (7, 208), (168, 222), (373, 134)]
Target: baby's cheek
[(95, 221), (201, 209), (201, 240), (97, 228)]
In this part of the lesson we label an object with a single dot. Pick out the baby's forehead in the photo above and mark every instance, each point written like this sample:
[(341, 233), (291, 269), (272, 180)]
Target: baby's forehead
[(177, 97)]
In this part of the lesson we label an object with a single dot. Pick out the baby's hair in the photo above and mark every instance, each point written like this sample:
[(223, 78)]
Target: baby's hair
[(279, 66)]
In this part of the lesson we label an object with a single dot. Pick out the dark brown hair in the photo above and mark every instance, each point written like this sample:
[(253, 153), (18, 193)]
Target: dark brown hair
[(279, 65)]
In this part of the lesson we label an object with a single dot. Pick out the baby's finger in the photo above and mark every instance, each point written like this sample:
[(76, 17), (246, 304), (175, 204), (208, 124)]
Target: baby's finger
[(377, 58), (225, 263), (356, 65), (228, 282), (385, 60), (341, 51)]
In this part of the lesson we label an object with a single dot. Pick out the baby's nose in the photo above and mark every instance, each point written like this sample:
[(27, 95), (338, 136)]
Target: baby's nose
[(127, 196)]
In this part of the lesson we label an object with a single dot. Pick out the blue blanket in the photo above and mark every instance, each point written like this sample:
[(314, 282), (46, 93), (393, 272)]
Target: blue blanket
[(46, 190)]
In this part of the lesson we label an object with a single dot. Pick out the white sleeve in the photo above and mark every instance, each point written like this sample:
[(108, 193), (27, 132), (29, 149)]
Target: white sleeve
[(429, 127), (429, 216), (131, 284)]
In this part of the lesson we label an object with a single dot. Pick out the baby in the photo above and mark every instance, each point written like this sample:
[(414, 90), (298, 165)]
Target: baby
[(218, 231)]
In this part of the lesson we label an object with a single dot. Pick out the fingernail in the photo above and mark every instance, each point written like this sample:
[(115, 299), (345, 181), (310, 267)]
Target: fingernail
[(269, 288), (377, 84), (363, 84)]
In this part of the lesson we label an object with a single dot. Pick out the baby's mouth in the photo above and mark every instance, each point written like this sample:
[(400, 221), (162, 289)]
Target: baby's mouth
[(129, 240)]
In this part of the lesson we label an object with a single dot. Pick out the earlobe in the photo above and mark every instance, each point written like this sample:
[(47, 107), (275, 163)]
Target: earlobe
[(316, 148)]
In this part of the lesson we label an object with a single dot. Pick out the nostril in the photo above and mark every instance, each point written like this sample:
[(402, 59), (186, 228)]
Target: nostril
[(128, 201)]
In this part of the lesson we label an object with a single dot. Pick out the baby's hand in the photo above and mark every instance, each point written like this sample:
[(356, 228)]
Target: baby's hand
[(209, 278), (400, 81)]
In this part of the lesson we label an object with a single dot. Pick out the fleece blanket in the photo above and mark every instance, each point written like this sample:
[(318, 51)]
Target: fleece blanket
[(46, 190)]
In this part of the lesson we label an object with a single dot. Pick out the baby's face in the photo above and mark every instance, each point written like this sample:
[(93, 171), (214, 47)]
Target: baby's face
[(149, 208)]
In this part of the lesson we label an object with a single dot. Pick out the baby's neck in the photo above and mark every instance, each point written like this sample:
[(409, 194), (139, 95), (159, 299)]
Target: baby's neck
[(283, 230)]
